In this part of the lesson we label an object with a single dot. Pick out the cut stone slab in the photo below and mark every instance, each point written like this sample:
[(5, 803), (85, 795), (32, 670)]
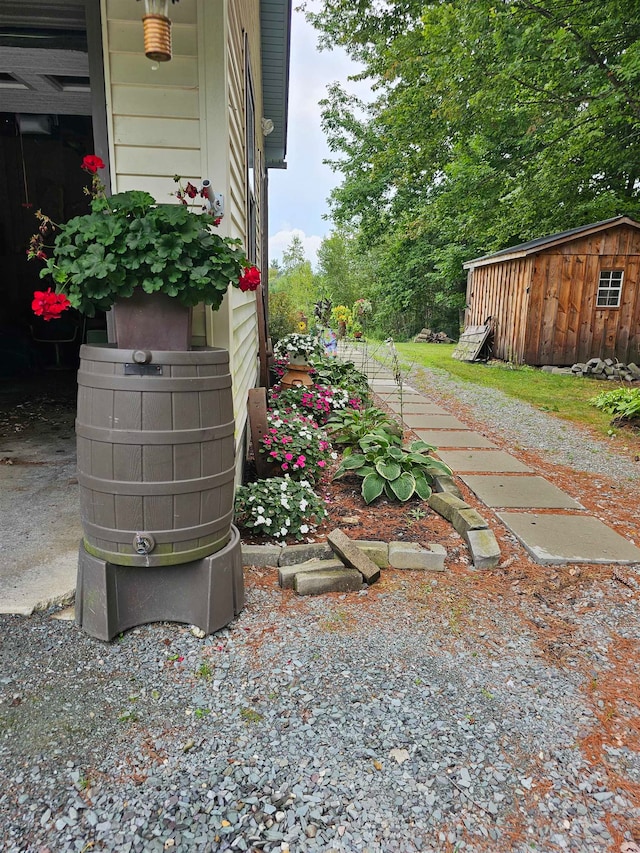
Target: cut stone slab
[(262, 556), (485, 551), (377, 552), (291, 554), (348, 551), (427, 421), (476, 461), (558, 539), (286, 574), (452, 437), (414, 410), (444, 483), (468, 519), (525, 492), (411, 555), (316, 583), (446, 504)]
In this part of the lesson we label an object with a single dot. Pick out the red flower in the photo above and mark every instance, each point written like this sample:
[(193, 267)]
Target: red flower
[(91, 163), (190, 190), (49, 305), (250, 280)]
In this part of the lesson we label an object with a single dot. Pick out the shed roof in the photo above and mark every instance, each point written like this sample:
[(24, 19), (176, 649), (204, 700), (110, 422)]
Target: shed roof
[(533, 246), (275, 36)]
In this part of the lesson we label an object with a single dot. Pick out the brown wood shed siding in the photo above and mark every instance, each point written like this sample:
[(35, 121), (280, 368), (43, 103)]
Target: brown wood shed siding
[(499, 291), (544, 306)]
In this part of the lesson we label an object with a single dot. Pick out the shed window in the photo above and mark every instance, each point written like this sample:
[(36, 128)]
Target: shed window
[(609, 289)]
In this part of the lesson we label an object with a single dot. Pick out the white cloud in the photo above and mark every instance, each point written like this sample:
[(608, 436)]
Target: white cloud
[(281, 240)]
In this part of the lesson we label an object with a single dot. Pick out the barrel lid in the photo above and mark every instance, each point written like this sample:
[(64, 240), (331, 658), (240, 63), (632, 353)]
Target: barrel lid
[(198, 355)]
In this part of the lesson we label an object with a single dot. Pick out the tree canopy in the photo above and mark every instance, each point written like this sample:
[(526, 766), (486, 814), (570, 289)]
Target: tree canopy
[(494, 121)]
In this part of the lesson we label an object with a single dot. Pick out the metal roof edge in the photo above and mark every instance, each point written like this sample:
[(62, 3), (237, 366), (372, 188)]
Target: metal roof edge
[(531, 247)]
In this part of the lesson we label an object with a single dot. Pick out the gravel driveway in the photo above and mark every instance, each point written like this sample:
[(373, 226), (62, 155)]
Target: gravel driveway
[(464, 711)]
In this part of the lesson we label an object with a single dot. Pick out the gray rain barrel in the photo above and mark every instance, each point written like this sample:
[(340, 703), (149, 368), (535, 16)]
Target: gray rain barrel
[(156, 454)]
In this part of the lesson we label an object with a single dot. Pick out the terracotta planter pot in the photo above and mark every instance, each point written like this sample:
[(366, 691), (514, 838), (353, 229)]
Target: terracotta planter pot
[(152, 321), (297, 374)]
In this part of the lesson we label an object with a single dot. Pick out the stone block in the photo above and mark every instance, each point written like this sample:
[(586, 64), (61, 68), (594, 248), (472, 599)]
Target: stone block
[(292, 554), (286, 574), (445, 483), (411, 555), (446, 504), (261, 556), (352, 556), (336, 580), (377, 552), (485, 551), (468, 519)]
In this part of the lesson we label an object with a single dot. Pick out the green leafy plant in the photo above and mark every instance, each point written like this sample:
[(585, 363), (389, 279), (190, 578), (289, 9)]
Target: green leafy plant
[(130, 241), (397, 471), (350, 425), (622, 403), (279, 507), (341, 374), (204, 671)]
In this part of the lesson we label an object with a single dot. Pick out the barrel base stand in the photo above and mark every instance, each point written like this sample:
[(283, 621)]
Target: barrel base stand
[(207, 593)]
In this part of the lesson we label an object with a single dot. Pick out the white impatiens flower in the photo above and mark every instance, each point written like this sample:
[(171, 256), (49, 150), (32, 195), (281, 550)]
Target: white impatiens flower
[(260, 509), (283, 531), (304, 528), (303, 505), (267, 522)]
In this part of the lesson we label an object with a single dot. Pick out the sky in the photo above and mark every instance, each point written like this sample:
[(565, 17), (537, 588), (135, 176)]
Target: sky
[(298, 194)]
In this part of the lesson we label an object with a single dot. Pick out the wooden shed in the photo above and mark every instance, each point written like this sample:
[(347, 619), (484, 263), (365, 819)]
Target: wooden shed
[(564, 298)]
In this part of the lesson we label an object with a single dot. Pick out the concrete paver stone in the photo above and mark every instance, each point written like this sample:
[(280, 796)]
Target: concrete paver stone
[(557, 539), (453, 437), (428, 421), (491, 461), (515, 491)]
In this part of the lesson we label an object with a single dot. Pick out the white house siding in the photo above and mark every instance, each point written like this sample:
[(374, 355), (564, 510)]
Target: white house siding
[(186, 117)]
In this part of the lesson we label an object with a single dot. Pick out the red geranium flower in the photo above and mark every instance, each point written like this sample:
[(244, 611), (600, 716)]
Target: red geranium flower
[(49, 305), (250, 280), (91, 163), (190, 190)]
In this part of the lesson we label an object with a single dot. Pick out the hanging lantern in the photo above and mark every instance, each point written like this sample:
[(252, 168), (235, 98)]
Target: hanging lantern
[(157, 30)]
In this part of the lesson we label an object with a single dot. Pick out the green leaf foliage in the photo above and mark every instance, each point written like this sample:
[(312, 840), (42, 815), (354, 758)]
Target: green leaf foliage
[(492, 123), (372, 487), (129, 241)]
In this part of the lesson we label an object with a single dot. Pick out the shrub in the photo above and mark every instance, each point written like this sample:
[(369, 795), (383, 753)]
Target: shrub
[(279, 507), (282, 315)]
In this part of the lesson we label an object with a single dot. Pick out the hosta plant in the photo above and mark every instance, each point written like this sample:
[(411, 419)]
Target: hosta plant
[(279, 507), (350, 425), (385, 467), (622, 403)]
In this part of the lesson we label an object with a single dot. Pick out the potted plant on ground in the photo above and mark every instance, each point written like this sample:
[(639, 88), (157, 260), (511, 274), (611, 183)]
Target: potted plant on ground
[(152, 261)]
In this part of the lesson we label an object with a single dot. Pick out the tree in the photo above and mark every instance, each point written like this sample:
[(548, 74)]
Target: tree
[(495, 121)]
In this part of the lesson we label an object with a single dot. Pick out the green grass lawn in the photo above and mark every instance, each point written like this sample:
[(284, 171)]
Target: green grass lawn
[(567, 397)]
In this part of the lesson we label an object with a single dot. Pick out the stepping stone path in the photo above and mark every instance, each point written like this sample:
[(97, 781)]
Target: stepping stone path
[(500, 481)]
